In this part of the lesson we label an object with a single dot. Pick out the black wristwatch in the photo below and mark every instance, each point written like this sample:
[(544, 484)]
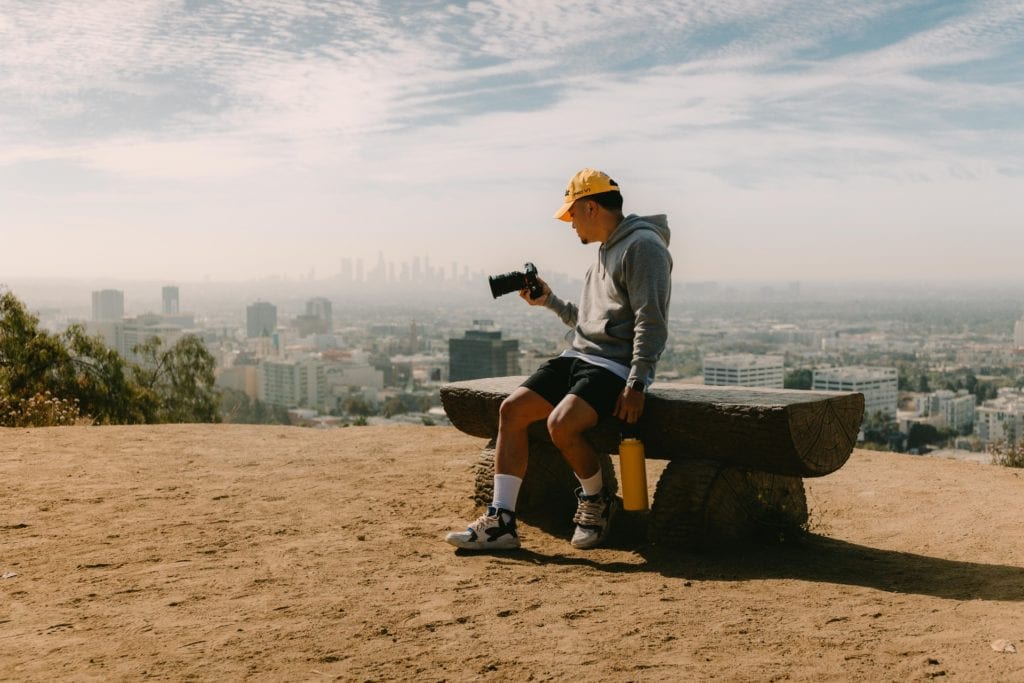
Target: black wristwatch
[(637, 385)]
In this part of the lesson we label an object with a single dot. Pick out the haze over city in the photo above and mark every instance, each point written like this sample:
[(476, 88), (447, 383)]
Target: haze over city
[(785, 140)]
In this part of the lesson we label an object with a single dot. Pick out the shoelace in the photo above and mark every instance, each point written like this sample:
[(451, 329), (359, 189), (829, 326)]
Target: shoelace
[(483, 522), (588, 512)]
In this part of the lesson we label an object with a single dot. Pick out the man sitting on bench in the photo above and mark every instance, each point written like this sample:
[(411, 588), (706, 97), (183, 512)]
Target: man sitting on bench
[(620, 329)]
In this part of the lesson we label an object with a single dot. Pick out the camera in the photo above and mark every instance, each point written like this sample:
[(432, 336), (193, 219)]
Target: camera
[(515, 281)]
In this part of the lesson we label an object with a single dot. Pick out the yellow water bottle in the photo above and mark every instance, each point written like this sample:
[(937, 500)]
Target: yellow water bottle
[(634, 474)]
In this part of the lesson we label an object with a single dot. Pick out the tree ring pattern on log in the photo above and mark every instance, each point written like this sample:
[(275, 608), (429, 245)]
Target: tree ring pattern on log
[(825, 433), (701, 503)]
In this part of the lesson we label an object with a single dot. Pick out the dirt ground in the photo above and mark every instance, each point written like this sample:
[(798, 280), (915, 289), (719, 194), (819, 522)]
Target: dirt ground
[(274, 553)]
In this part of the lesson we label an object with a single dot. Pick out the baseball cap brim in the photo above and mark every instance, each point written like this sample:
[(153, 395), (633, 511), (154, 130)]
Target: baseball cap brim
[(563, 212)]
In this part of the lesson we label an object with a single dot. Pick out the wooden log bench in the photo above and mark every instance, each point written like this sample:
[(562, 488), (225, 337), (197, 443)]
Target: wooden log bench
[(736, 456)]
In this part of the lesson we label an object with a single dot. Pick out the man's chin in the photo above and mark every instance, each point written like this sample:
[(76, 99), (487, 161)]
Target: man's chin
[(584, 240)]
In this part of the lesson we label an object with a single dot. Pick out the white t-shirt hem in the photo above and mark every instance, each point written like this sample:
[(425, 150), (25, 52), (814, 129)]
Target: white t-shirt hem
[(618, 369)]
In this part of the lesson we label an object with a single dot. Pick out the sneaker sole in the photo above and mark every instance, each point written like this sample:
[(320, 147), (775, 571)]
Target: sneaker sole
[(587, 545), (500, 544)]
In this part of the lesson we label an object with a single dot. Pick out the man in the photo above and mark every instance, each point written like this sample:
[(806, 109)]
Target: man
[(619, 334)]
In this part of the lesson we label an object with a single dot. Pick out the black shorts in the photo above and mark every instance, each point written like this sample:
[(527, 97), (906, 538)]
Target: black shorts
[(563, 375)]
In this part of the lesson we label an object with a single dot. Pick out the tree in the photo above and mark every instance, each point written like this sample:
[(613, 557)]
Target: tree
[(180, 379), (392, 406), (30, 358), (799, 379), (175, 386), (238, 408), (878, 428), (922, 435), (104, 383), (356, 405)]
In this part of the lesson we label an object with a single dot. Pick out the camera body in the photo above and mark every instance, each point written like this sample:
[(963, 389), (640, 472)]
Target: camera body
[(513, 282)]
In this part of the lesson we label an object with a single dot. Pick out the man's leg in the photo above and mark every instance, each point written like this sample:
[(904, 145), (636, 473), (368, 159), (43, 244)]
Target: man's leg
[(566, 424), (496, 530), (522, 408)]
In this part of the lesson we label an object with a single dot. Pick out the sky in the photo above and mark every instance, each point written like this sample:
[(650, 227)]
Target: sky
[(235, 139)]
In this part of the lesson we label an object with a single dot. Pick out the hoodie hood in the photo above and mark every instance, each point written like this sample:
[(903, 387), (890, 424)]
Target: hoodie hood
[(657, 223)]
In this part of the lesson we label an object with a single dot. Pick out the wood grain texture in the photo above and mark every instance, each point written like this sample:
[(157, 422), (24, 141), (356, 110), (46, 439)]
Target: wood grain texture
[(701, 503), (793, 433)]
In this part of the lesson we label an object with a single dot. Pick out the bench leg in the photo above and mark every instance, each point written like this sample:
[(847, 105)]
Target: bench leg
[(701, 503), (549, 484)]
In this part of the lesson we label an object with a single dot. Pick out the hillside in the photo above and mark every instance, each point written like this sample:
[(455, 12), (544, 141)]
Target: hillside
[(218, 551)]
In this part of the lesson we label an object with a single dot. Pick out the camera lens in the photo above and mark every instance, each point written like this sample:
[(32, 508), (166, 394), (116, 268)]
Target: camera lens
[(506, 283)]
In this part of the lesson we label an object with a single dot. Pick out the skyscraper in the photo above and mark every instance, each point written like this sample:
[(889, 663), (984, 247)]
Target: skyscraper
[(482, 353), (1018, 334), (320, 307), (260, 319), (108, 304), (171, 302)]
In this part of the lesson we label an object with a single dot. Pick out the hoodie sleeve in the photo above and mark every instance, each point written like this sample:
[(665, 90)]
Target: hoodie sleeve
[(565, 310), (647, 268)]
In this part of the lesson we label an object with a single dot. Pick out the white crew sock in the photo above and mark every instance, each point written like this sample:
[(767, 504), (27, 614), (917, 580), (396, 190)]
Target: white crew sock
[(592, 485), (506, 491)]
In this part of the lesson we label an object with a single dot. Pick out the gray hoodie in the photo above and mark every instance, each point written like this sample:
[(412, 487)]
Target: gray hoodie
[(623, 311)]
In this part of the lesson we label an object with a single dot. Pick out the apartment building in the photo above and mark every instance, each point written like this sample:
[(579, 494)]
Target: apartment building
[(879, 386), (745, 370)]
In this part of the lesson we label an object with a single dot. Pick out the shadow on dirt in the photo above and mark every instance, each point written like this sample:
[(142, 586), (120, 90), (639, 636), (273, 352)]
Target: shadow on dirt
[(816, 559)]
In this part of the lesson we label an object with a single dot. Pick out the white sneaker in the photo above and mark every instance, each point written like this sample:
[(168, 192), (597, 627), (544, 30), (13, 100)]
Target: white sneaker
[(495, 530), (593, 518)]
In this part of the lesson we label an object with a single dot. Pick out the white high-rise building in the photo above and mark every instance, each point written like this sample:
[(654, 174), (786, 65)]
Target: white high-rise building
[(170, 298), (954, 409), (293, 383), (1002, 418), (107, 304), (879, 386), (745, 370), (140, 330), (1018, 334), (125, 334)]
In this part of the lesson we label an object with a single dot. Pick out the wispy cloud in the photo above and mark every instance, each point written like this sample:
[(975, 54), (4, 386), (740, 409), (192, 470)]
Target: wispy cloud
[(166, 98)]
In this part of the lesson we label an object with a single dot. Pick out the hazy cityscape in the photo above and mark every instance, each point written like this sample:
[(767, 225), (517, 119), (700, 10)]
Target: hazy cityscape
[(941, 365)]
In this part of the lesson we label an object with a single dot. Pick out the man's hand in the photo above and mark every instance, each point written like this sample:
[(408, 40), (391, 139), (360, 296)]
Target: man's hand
[(540, 300), (629, 406)]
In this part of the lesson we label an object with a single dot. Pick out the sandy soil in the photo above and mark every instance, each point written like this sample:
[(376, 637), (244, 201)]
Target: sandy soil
[(231, 552)]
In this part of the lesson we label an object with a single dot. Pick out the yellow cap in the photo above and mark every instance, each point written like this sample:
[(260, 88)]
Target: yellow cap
[(585, 183)]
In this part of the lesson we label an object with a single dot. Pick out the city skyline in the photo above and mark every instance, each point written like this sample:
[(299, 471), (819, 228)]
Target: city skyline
[(786, 140)]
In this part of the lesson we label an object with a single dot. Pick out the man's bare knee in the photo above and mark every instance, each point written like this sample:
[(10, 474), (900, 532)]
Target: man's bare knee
[(557, 430), (521, 409), (563, 431), (509, 413)]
